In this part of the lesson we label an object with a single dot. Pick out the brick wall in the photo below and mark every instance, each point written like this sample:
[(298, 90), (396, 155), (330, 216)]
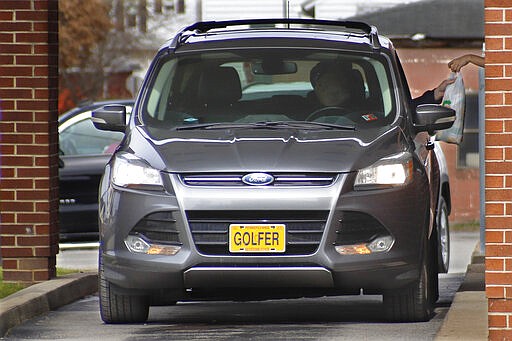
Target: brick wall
[(498, 166), (28, 139)]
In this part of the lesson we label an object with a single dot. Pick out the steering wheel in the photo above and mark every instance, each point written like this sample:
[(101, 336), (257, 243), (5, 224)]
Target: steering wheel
[(334, 111)]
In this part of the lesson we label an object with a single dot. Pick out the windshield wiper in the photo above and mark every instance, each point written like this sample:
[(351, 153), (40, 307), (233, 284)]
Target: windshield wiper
[(267, 124), (233, 125), (306, 124), (222, 125)]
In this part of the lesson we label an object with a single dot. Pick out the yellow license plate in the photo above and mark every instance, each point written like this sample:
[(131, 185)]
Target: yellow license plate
[(257, 238)]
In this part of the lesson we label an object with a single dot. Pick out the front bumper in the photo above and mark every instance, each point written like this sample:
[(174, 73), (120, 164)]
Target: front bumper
[(402, 212)]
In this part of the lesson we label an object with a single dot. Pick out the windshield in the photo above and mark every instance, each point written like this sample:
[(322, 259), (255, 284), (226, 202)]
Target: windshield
[(279, 85)]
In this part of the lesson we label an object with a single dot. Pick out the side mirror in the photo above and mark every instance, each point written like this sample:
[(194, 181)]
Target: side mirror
[(433, 117), (110, 117)]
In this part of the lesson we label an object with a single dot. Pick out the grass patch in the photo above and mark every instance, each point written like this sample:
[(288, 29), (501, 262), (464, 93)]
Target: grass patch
[(466, 227), (7, 289), (64, 272)]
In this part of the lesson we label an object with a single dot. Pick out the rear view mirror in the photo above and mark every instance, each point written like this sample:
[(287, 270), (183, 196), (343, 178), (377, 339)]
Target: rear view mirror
[(433, 117), (110, 117), (273, 67)]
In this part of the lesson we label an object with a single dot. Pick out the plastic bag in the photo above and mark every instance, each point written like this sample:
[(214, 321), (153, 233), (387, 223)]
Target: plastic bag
[(455, 98)]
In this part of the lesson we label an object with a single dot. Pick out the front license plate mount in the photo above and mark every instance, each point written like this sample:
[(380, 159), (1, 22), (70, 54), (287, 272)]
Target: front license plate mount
[(257, 238)]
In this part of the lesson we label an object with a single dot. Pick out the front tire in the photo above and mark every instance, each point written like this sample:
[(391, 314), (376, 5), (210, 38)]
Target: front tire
[(413, 303), (443, 238), (120, 308)]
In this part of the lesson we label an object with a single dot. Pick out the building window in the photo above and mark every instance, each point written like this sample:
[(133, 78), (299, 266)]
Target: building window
[(468, 149), (180, 6)]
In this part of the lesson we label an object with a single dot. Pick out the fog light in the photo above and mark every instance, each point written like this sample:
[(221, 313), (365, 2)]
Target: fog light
[(137, 244), (358, 249), (379, 244), (165, 250)]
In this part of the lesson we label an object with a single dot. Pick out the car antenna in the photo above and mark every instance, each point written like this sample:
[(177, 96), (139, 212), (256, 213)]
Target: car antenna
[(287, 10)]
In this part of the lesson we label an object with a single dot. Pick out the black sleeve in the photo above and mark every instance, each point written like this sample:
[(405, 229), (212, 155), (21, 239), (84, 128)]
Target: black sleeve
[(426, 98)]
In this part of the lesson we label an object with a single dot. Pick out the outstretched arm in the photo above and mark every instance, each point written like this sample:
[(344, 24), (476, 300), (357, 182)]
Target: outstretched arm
[(433, 96), (457, 64)]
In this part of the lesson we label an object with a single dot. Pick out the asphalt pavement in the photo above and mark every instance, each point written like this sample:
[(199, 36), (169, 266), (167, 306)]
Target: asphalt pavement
[(465, 320)]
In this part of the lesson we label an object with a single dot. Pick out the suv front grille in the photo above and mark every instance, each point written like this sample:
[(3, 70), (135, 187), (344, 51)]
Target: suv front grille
[(280, 179), (210, 229)]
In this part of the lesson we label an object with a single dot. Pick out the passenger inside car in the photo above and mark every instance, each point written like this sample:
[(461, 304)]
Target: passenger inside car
[(219, 90)]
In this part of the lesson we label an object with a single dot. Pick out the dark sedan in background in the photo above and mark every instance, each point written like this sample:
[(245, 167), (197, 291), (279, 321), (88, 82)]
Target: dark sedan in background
[(84, 152)]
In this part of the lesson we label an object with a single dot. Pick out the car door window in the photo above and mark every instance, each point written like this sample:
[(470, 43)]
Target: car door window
[(82, 138)]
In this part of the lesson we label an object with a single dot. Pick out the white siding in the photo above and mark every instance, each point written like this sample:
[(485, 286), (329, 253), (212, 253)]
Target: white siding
[(244, 9), (339, 9), (324, 9), (335, 9)]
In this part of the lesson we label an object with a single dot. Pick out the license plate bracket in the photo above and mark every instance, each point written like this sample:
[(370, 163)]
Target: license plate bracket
[(258, 238)]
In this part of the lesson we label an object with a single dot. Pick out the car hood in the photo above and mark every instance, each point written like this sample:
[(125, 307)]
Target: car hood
[(278, 150)]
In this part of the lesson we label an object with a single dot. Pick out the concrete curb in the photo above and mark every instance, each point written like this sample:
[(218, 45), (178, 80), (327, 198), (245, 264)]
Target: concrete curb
[(43, 297), (467, 317)]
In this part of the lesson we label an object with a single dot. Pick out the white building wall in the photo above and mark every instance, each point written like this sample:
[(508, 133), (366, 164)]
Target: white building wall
[(247, 9), (339, 9), (324, 9)]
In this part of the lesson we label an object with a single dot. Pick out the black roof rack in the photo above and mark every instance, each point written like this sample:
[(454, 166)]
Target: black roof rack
[(205, 26)]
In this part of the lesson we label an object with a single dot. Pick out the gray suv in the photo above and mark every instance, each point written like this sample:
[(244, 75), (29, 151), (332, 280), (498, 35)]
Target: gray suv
[(273, 158)]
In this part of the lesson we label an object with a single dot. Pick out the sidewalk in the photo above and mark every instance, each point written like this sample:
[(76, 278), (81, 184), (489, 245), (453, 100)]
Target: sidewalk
[(465, 320), (467, 317)]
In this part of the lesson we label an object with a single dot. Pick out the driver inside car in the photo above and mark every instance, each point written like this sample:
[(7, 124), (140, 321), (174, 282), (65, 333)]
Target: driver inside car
[(337, 91), (333, 85)]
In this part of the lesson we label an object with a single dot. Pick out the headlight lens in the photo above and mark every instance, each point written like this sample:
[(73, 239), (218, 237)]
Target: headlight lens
[(391, 171), (130, 171)]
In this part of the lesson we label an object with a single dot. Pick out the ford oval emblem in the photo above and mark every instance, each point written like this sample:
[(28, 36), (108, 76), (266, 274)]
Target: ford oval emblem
[(257, 179)]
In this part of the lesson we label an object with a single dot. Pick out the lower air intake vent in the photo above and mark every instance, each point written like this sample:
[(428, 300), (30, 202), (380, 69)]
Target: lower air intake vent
[(357, 227), (159, 227)]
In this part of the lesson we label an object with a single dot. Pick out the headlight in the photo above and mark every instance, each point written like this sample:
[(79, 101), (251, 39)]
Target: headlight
[(130, 171), (391, 171)]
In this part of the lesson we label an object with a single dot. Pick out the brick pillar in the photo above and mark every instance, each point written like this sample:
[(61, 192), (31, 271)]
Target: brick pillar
[(28, 139), (498, 166)]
